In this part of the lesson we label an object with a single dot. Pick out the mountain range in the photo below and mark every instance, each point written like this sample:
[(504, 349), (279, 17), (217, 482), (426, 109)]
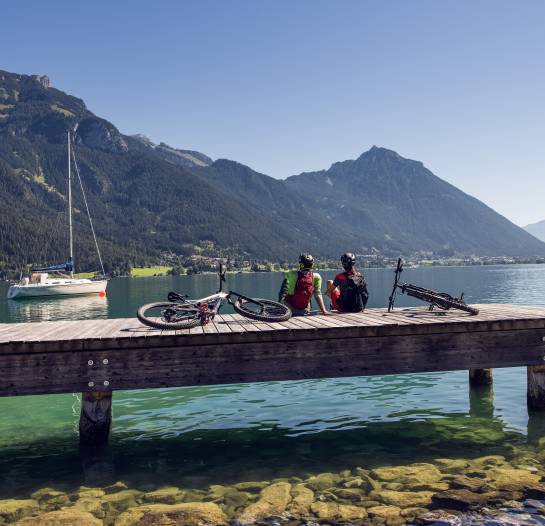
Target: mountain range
[(537, 229), (147, 198)]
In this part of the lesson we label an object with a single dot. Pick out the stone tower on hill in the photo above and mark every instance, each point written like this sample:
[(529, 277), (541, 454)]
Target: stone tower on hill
[(43, 80)]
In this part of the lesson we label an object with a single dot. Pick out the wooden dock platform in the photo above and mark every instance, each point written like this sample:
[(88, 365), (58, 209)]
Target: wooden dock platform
[(100, 356)]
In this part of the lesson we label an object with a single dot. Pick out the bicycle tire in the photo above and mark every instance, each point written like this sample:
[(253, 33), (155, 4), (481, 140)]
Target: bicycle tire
[(284, 313), (460, 305), (163, 324)]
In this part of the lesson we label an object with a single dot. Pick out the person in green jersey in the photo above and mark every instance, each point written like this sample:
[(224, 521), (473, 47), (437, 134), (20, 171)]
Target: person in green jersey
[(299, 286)]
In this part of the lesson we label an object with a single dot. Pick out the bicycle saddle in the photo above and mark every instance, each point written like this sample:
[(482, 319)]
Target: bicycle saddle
[(174, 296)]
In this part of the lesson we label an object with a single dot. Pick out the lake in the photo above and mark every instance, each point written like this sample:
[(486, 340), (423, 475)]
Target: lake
[(197, 437)]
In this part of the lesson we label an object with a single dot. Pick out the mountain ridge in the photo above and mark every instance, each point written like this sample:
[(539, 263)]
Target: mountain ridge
[(537, 229), (150, 198)]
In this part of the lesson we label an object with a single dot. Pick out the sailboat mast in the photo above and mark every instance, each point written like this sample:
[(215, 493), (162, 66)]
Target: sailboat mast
[(70, 207)]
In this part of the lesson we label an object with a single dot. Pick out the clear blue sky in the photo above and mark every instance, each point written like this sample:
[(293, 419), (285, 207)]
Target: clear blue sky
[(291, 86)]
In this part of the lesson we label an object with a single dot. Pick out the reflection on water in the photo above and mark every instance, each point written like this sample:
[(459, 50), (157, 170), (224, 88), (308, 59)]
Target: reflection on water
[(58, 308)]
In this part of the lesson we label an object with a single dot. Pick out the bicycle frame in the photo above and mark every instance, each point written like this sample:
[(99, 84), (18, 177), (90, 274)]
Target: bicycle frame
[(435, 299), (210, 305)]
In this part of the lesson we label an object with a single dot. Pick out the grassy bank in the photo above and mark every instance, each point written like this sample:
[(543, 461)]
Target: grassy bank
[(143, 272)]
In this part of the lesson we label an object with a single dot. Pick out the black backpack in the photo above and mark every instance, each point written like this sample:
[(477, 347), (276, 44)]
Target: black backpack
[(354, 294)]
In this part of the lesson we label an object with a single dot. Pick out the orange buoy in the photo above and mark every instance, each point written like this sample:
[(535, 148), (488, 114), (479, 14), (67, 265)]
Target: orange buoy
[(102, 294)]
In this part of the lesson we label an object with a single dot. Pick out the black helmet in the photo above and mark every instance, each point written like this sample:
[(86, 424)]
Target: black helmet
[(348, 260), (306, 261)]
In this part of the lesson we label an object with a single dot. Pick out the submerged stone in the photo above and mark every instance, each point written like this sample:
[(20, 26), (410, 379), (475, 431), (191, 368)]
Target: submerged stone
[(438, 518), (168, 495), (252, 487), (451, 465), (122, 499), (273, 500), (332, 511), (384, 512), (409, 476), (114, 488), (461, 499), (90, 505), (65, 517), (403, 499), (15, 509), (187, 514), (50, 498), (323, 481), (301, 499)]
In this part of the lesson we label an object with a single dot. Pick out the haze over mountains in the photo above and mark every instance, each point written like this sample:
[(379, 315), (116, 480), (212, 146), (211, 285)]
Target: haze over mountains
[(147, 198), (537, 229)]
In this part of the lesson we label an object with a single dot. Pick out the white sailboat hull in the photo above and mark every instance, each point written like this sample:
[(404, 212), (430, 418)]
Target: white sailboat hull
[(57, 287)]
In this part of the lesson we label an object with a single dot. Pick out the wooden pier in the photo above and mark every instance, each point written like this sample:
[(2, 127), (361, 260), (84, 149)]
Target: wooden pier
[(96, 357)]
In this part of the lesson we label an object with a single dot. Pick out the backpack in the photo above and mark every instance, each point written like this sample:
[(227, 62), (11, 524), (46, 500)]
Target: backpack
[(354, 294), (304, 288)]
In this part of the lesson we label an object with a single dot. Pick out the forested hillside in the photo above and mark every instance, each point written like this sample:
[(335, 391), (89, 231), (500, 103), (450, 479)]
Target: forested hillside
[(148, 199)]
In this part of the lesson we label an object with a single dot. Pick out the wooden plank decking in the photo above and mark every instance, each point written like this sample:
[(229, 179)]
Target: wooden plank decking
[(105, 355)]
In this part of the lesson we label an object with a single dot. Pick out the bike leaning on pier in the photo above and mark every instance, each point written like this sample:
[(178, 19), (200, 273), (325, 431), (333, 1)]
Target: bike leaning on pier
[(180, 312), (441, 300)]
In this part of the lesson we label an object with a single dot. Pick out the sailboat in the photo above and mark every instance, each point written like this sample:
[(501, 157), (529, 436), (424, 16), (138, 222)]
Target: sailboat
[(62, 282)]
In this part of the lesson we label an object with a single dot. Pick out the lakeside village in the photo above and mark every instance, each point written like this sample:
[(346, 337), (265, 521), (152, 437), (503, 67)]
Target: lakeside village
[(200, 264)]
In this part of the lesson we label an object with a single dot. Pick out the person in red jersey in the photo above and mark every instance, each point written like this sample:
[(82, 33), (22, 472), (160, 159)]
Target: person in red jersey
[(348, 291)]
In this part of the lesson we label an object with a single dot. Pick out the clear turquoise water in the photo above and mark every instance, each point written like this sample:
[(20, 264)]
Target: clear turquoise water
[(222, 434)]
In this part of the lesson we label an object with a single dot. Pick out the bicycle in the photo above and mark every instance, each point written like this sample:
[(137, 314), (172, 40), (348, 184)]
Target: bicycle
[(180, 312), (440, 300)]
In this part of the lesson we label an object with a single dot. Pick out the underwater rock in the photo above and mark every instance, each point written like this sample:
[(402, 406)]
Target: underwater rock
[(332, 511), (88, 493), (403, 499), (90, 505), (50, 499), (451, 465), (409, 476), (472, 484), (322, 481), (461, 499), (489, 460), (167, 495), (438, 518), (121, 500), (15, 509), (512, 478), (273, 500), (301, 499), (65, 517), (385, 512), (237, 499), (352, 494), (252, 487), (188, 514), (114, 488)]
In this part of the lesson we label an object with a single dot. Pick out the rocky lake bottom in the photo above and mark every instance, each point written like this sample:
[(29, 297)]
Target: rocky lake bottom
[(488, 490)]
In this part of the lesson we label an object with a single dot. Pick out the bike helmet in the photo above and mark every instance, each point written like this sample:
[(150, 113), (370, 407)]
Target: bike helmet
[(348, 260), (306, 261)]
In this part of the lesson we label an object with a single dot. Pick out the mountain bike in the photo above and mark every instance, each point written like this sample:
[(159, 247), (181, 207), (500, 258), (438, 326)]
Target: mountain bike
[(180, 312), (440, 300)]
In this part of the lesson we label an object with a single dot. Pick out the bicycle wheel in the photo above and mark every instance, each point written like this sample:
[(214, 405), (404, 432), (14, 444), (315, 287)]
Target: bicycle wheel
[(453, 303), (169, 315), (262, 310)]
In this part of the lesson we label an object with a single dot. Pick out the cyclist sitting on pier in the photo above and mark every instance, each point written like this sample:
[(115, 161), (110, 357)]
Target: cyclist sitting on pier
[(300, 285), (348, 291)]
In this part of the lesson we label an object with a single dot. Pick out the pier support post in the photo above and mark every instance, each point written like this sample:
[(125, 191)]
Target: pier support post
[(536, 387), (480, 377), (95, 419), (481, 401)]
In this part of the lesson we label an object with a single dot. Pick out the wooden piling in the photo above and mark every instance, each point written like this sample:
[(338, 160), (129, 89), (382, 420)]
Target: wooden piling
[(536, 387), (479, 377), (95, 418)]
